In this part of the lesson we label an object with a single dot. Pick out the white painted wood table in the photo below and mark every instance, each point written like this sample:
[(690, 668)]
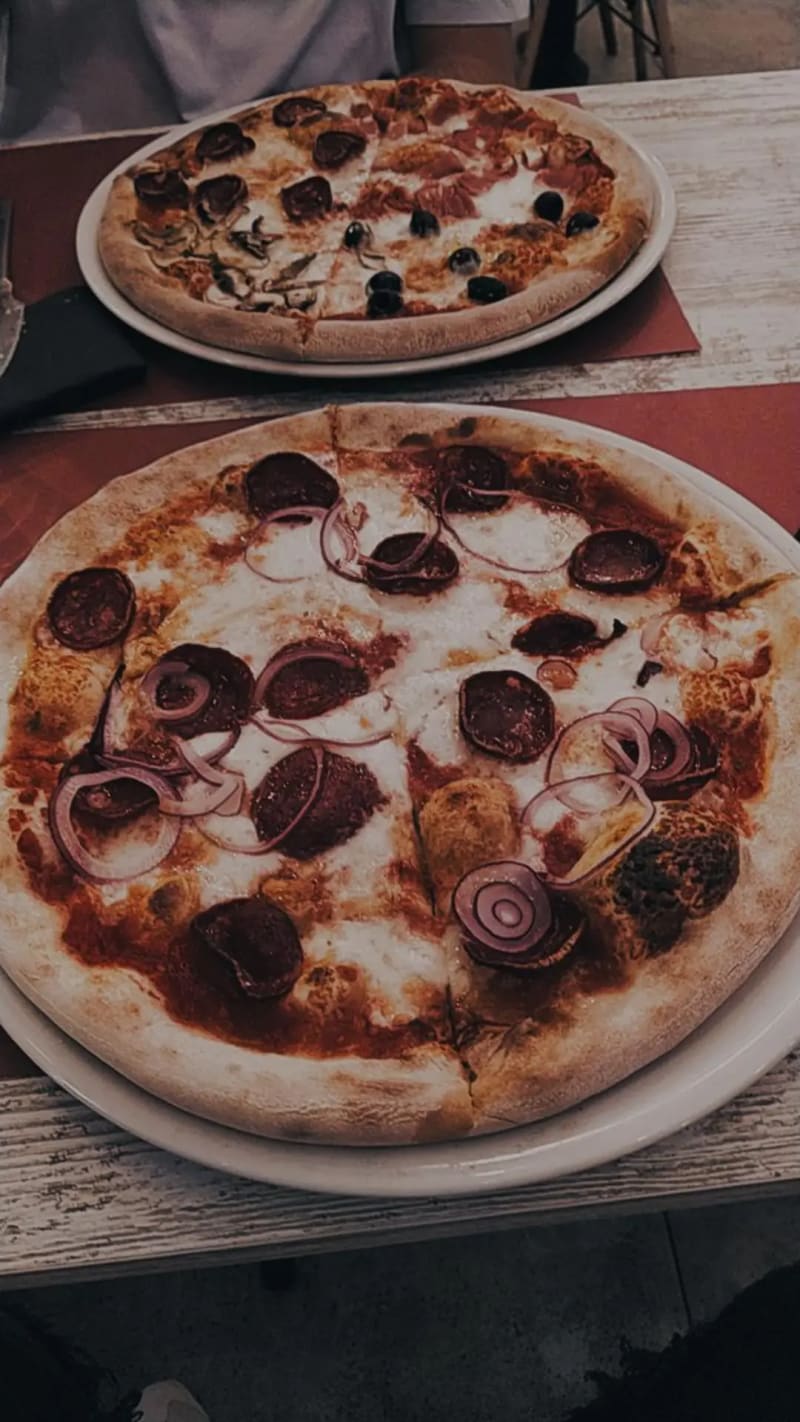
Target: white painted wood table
[(79, 1197)]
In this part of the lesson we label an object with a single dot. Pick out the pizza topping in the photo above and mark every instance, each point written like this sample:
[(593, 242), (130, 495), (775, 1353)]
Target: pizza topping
[(564, 933), (503, 906), (556, 534), (385, 281), (161, 187), (412, 563), (291, 556), (556, 673), (223, 140), (312, 800), (647, 671), (616, 560), (337, 146), (684, 869), (310, 198), (549, 206), (258, 940), (423, 223), (300, 108), (505, 714), (464, 260), (472, 477), (583, 824), (356, 235), (91, 608), (175, 693), (216, 197), (134, 857), (308, 678), (486, 289), (563, 634), (681, 759), (286, 479), (386, 301), (581, 222), (118, 799)]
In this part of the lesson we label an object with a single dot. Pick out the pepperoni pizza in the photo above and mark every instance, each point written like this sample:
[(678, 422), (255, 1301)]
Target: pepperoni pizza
[(379, 220), (391, 772)]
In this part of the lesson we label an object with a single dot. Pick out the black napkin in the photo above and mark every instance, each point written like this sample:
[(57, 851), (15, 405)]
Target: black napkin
[(70, 349)]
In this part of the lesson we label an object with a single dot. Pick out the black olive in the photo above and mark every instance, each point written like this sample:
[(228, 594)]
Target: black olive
[(385, 281), (581, 222), (356, 234), (550, 206), (384, 302), (486, 288), (424, 224), (464, 260)]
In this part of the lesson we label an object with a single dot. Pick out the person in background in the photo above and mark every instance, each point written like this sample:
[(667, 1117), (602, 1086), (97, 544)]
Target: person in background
[(90, 66)]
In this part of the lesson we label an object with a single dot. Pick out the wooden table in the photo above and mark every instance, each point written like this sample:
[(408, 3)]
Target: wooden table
[(79, 1197)]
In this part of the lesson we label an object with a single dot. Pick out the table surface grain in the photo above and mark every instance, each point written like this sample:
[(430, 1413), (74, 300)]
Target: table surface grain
[(81, 1198)]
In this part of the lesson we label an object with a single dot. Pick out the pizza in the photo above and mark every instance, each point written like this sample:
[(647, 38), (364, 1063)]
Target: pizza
[(394, 772), (374, 221)]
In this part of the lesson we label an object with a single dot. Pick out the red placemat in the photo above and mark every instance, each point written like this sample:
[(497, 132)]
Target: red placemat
[(49, 184), (748, 438)]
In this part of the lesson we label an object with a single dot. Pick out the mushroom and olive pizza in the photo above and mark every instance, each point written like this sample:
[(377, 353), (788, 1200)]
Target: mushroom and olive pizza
[(379, 220), (392, 772)]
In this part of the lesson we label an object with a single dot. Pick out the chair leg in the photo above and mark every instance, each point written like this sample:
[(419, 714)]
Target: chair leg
[(662, 24), (529, 51), (639, 45), (607, 22)]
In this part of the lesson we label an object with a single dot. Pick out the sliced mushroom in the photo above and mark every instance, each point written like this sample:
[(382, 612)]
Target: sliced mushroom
[(300, 298), (175, 234)]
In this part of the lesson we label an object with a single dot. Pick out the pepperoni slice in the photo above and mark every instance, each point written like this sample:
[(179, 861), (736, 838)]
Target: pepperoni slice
[(258, 941), (311, 197), (231, 695), (337, 146), (466, 469), (161, 187), (348, 794), (562, 634), (216, 197), (616, 560), (113, 803), (91, 608), (436, 569), (223, 140), (309, 683), (299, 109), (287, 480), (506, 714)]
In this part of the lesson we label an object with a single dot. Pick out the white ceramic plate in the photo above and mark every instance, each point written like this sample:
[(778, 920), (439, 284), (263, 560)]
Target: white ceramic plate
[(750, 1033), (94, 274)]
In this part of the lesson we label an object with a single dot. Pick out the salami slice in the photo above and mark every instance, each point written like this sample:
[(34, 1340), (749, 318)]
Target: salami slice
[(310, 198), (434, 571), (91, 608), (703, 765), (216, 197), (230, 697), (505, 714), (113, 803), (347, 796), (337, 146), (257, 940), (310, 678), (223, 140), (161, 187), (561, 939), (298, 109), (465, 470), (562, 634), (617, 560), (288, 480)]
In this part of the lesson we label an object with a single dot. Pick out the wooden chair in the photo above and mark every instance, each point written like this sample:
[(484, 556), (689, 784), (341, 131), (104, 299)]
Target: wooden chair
[(650, 25)]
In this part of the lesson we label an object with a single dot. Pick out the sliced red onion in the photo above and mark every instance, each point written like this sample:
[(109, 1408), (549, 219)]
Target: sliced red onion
[(201, 767), (334, 525), (613, 726), (639, 707), (199, 685), (503, 906), (290, 733), (239, 836), (411, 559), (682, 753), (592, 795), (557, 673), (146, 856), (295, 511), (506, 494), (213, 746), (290, 655), (204, 799)]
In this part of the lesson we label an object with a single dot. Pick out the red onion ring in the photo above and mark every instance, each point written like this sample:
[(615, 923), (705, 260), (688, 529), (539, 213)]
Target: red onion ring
[(503, 905), (289, 656), (299, 734), (200, 685), (82, 859), (672, 728), (485, 557), (621, 726), (411, 559), (334, 525), (639, 707), (230, 843), (295, 511), (569, 793)]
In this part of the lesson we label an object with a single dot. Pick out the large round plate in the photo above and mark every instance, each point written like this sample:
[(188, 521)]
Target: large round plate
[(750, 1033), (94, 274)]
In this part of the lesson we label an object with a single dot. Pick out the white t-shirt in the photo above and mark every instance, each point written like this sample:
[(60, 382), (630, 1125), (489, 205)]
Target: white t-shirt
[(84, 66)]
